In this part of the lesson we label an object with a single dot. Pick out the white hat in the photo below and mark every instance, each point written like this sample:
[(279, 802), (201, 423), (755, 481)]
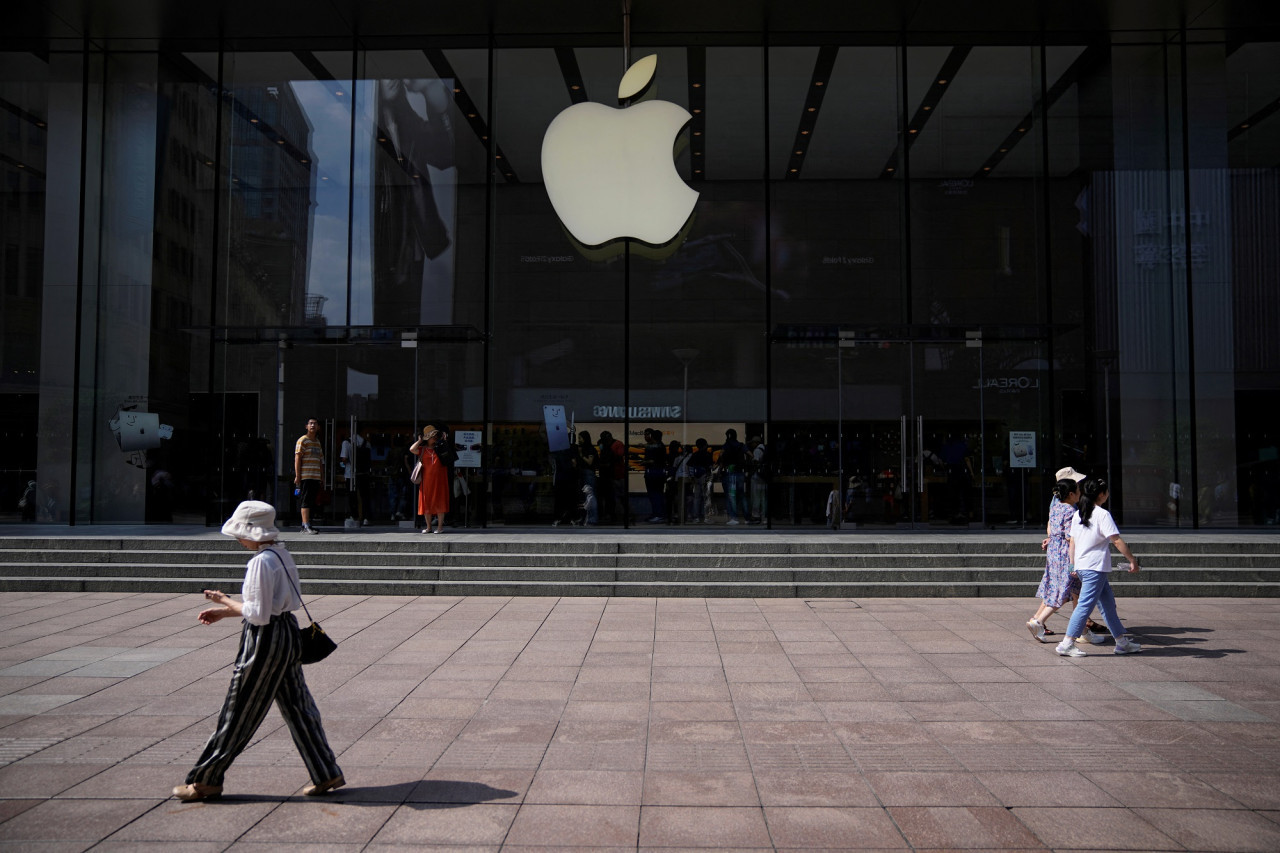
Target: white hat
[(1069, 473), (252, 520)]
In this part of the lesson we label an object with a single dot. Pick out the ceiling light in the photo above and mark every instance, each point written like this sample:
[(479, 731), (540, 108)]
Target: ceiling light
[(382, 139), (253, 121), (575, 87), (817, 82), (497, 156), (210, 162), (417, 176), (695, 112), (812, 109), (804, 133), (303, 160), (890, 169), (338, 93), (1004, 150), (800, 151), (457, 91), (471, 115), (1243, 126), (697, 133), (942, 82), (927, 107), (697, 171), (795, 170), (279, 142), (986, 168), (697, 154), (1022, 130), (697, 85), (913, 130)]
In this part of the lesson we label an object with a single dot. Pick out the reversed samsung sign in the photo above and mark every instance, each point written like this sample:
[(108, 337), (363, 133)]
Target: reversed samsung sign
[(636, 412), (610, 173)]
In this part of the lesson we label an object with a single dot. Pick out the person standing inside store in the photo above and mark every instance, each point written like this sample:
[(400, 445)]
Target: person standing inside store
[(308, 471), (655, 475), (448, 454), (612, 479), (1093, 532), (268, 666), (356, 458), (699, 468), (732, 462), (759, 480), (433, 491)]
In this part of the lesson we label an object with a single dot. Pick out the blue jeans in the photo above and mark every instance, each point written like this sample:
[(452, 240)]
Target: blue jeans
[(1095, 589), (735, 494)]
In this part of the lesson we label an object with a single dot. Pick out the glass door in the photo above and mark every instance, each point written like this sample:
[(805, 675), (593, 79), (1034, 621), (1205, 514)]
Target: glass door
[(363, 397), (911, 442)]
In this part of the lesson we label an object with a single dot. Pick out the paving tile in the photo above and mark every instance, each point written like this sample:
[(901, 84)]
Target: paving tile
[(445, 785), (175, 821), (684, 788), (73, 820), (586, 787), (434, 824), (43, 780), (930, 789), (1253, 790), (320, 822), (703, 827), (960, 828), (561, 826), (810, 828), (1093, 829), (813, 788), (1046, 787), (604, 755), (1213, 829)]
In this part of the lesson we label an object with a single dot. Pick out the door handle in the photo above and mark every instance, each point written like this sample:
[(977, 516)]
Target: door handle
[(920, 454), (902, 450)]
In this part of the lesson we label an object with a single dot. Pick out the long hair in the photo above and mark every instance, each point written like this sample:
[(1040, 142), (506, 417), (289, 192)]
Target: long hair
[(1089, 494), (1064, 489)]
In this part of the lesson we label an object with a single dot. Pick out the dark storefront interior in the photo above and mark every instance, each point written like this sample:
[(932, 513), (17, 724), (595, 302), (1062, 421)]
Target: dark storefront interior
[(939, 251)]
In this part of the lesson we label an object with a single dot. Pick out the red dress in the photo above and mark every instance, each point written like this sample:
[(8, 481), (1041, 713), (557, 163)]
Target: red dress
[(433, 491)]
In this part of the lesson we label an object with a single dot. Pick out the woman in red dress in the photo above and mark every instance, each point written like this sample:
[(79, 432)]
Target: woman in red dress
[(433, 491)]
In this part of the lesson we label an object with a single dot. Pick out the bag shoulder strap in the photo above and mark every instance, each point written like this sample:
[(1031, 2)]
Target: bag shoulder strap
[(291, 583)]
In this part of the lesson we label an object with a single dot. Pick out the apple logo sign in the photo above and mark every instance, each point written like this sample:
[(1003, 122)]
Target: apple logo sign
[(610, 172)]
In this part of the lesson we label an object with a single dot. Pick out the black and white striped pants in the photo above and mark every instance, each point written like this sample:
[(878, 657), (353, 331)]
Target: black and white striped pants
[(267, 670)]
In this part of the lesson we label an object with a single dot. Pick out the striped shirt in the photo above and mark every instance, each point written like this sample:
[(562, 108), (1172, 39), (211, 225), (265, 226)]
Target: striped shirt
[(312, 458)]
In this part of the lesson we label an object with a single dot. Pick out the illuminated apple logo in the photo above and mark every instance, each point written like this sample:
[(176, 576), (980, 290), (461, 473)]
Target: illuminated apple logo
[(610, 172)]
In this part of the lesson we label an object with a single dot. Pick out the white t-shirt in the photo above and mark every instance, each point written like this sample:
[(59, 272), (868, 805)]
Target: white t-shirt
[(269, 586), (348, 452), (1093, 543)]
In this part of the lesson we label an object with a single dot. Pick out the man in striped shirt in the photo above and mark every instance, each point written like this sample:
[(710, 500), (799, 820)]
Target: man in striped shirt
[(308, 471)]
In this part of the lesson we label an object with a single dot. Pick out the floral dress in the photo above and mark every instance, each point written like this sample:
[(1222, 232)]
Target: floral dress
[(1058, 583)]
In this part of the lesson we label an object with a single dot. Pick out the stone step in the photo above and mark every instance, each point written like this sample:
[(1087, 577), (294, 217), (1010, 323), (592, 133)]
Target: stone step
[(354, 559), (757, 589)]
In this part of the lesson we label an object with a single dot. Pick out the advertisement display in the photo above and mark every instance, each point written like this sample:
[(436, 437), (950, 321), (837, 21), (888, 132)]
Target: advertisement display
[(1022, 449)]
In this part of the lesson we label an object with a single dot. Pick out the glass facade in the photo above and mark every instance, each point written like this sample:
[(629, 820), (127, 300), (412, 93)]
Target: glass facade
[(924, 272)]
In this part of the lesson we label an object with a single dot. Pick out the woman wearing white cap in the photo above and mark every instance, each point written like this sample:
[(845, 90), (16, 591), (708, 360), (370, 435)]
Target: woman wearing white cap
[(1059, 583), (267, 666)]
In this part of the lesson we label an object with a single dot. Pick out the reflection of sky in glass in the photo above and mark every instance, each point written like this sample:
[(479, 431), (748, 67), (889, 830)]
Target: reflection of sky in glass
[(362, 207), (330, 116)]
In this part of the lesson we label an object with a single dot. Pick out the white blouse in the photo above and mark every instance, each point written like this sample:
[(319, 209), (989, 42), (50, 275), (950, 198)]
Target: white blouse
[(267, 589)]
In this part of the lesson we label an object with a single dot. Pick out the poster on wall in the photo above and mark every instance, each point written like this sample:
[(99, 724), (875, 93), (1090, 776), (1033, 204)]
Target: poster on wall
[(1022, 449), (467, 442)]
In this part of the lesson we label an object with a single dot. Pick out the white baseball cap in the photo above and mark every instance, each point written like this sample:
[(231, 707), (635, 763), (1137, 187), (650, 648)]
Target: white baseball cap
[(1069, 473)]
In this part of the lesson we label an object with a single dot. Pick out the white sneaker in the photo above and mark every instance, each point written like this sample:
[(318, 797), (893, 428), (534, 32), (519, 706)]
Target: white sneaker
[(1125, 646), (1092, 638), (1068, 649), (732, 521), (1037, 630)]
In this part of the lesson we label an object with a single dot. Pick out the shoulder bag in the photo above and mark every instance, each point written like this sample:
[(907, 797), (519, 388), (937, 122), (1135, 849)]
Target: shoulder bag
[(316, 644)]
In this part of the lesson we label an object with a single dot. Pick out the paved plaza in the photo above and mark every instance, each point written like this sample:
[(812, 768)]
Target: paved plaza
[(589, 723)]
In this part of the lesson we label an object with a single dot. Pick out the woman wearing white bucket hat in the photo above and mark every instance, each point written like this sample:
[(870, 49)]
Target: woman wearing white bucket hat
[(267, 666)]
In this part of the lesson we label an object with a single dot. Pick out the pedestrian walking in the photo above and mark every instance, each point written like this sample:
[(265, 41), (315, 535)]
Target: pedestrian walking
[(1093, 532), (1059, 583), (267, 667)]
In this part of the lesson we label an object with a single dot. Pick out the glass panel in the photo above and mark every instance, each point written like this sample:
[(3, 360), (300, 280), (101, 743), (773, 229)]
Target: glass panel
[(1252, 95), (24, 94), (836, 225), (287, 151), (975, 162)]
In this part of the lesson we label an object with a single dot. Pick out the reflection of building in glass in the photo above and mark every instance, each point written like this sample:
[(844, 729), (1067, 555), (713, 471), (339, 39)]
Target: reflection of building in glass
[(272, 197)]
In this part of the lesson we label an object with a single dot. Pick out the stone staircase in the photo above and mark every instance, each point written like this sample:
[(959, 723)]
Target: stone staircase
[(786, 565)]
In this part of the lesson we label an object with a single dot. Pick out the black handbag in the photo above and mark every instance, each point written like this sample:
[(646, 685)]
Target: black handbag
[(316, 644)]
